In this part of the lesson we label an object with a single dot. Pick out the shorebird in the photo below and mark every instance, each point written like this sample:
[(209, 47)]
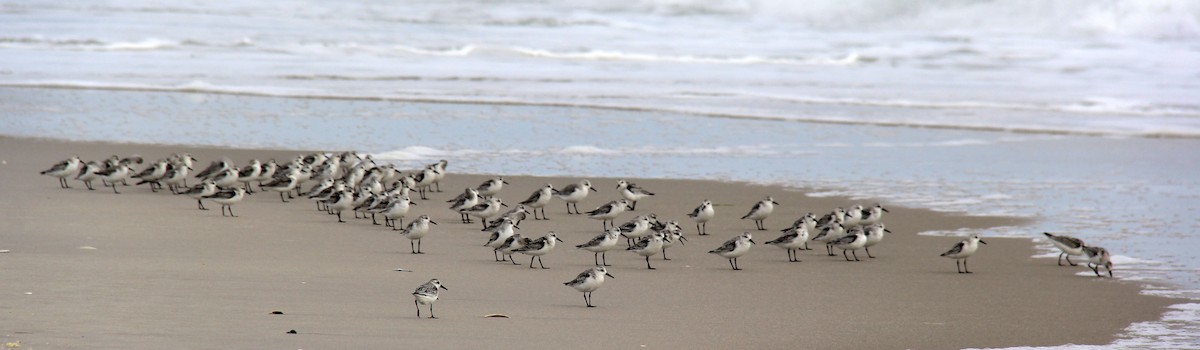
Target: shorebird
[(250, 173), (538, 247), (396, 210), (63, 169), (175, 177), (837, 216), (792, 240), (574, 193), (338, 202), (648, 246), (672, 234), (601, 244), (733, 248), (112, 175), (761, 211), (1068, 245), (491, 187), (635, 229), (510, 245), (963, 250), (439, 173), (607, 212), (227, 198), (1098, 257), (504, 229), (632, 192), (226, 178), (517, 214), (588, 281), (853, 216), (201, 190), (854, 240), (485, 210), (416, 230), (286, 184), (426, 294), (215, 167), (469, 198), (152, 174), (424, 179), (701, 215), (828, 234), (873, 215), (538, 199), (875, 233)]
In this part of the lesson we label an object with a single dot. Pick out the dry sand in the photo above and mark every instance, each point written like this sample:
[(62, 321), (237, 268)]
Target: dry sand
[(165, 275)]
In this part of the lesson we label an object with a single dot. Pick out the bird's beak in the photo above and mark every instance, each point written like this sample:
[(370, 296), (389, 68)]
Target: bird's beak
[(884, 209), (431, 221), (517, 227), (609, 276), (628, 207), (774, 202), (890, 231), (592, 188), (752, 241), (412, 203), (504, 182), (559, 239), (505, 205), (981, 241), (682, 239), (443, 287)]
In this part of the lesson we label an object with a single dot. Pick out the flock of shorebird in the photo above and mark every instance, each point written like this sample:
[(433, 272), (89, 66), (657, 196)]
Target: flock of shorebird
[(349, 182)]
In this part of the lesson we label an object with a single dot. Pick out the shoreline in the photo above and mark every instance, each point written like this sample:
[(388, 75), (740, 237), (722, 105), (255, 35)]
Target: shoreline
[(905, 298)]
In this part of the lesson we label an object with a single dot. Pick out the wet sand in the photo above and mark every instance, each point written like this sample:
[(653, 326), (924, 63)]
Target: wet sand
[(142, 270)]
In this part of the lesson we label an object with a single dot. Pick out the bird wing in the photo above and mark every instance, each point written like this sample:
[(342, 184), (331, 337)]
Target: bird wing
[(956, 249)]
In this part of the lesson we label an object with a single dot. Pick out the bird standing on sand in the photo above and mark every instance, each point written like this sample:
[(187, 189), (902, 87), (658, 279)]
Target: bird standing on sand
[(1068, 245), (792, 240), (588, 281), (648, 247), (63, 169), (426, 294), (854, 240), (875, 233), (469, 198), (227, 198), (286, 184), (601, 244), (538, 199), (609, 211), (415, 231), (963, 250), (701, 215), (485, 210), (672, 234), (118, 173), (538, 247), (504, 229), (491, 187), (734, 248), (632, 192), (574, 193), (1098, 257), (761, 211)]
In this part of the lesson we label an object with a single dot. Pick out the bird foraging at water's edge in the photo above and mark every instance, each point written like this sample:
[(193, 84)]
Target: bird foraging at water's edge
[(1068, 245), (588, 281), (734, 248), (1097, 258), (963, 250), (426, 294), (761, 211)]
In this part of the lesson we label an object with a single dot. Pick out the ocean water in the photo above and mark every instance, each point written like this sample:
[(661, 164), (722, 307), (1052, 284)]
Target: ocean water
[(1082, 115)]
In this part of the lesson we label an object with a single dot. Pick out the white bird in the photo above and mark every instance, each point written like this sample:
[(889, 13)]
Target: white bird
[(517, 214), (510, 245), (632, 192), (63, 169), (201, 190), (485, 210), (416, 230), (1098, 257), (792, 241), (1068, 245), (88, 173), (588, 281), (491, 187), (672, 234), (635, 229), (250, 173), (215, 167), (828, 234), (227, 178), (963, 250), (175, 176), (854, 240), (286, 184), (607, 212), (538, 200), (152, 174), (574, 193), (340, 201), (853, 216), (469, 198), (734, 248), (702, 214), (424, 179), (648, 247), (504, 229), (873, 215), (118, 173), (396, 210), (426, 294), (837, 216), (875, 233), (601, 244), (538, 247), (439, 173), (227, 198), (761, 211)]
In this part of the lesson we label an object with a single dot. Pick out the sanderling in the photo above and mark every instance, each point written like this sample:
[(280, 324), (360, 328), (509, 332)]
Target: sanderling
[(491, 187), (601, 244), (439, 173), (485, 210), (574, 193), (963, 250), (175, 176), (152, 174), (63, 169), (538, 200), (733, 248), (761, 211), (854, 240), (873, 215), (648, 246), (672, 234), (632, 192), (338, 202), (201, 190), (808, 221), (227, 178), (828, 234), (635, 229), (875, 233), (118, 173), (1068, 245), (426, 294), (538, 247), (469, 198), (588, 281), (267, 172), (416, 230), (702, 214), (250, 173), (517, 214), (511, 244), (837, 216), (215, 167), (853, 216), (504, 229), (286, 184), (396, 210), (227, 198), (1098, 257), (792, 241), (609, 211)]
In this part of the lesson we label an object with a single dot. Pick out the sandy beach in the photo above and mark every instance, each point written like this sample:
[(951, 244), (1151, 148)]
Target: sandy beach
[(142, 270)]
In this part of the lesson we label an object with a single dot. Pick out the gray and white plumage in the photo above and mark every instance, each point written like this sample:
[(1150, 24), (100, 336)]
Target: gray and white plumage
[(734, 248), (962, 250), (588, 281), (427, 294), (1070, 246), (1098, 257)]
